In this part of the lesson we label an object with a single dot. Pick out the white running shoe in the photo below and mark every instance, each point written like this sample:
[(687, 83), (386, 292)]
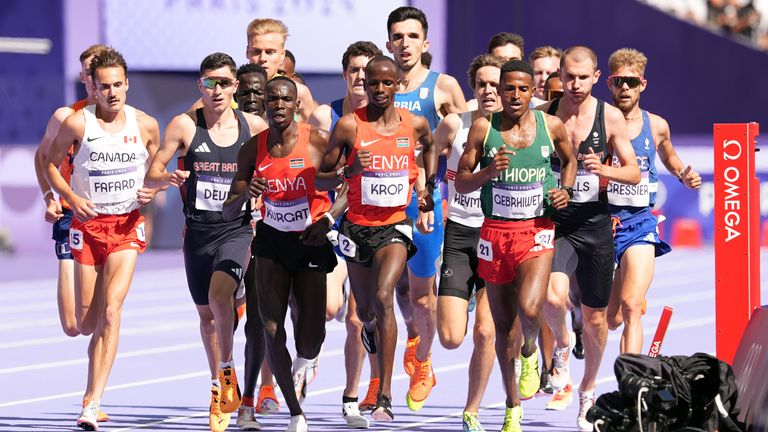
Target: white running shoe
[(586, 401), (246, 419), (300, 369), (87, 420), (298, 424), (352, 415), (560, 375)]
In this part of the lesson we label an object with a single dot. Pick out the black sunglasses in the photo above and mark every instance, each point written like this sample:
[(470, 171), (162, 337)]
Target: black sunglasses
[(618, 81)]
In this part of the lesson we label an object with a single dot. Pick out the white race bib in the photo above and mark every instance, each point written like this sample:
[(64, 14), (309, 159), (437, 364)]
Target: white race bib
[(518, 201), (211, 192), (384, 188), (347, 246), (586, 188), (287, 215), (638, 195), (484, 250), (113, 185), (545, 239)]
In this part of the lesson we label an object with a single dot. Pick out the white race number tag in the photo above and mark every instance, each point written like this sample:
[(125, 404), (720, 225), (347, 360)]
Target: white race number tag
[(347, 246), (75, 239), (484, 250)]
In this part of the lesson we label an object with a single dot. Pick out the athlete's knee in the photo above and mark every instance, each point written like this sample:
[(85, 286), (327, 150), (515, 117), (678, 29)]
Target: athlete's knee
[(450, 337), (309, 347), (424, 302), (632, 307), (383, 299), (271, 328), (483, 334), (112, 314), (594, 318), (353, 324), (614, 321)]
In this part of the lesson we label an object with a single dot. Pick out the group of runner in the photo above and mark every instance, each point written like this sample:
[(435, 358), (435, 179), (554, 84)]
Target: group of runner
[(547, 199)]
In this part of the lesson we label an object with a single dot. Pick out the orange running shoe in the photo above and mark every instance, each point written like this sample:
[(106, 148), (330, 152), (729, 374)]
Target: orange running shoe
[(422, 381), (230, 390), (101, 417), (267, 402), (217, 420), (410, 354), (562, 399), (369, 403)]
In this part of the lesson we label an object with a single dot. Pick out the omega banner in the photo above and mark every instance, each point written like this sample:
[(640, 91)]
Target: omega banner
[(737, 233)]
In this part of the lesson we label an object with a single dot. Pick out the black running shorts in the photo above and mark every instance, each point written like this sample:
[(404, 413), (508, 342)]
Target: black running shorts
[(458, 274), (359, 243), (215, 247), (286, 249)]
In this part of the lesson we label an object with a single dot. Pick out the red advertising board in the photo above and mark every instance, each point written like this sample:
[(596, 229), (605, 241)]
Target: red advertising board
[(737, 233)]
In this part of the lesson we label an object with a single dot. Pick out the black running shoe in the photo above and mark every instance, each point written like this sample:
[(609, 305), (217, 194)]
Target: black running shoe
[(383, 410), (578, 349), (544, 386), (369, 341)]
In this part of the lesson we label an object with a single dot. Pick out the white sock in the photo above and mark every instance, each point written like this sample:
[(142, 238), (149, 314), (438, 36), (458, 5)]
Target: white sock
[(216, 382), (230, 364)]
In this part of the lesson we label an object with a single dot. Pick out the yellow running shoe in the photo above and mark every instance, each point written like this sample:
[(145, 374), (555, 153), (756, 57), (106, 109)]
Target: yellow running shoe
[(230, 391), (410, 354), (102, 417), (562, 399), (369, 403), (217, 420), (529, 375), (422, 381), (513, 418)]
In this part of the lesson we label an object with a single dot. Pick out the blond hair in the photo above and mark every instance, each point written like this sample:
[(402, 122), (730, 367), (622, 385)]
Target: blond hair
[(628, 57), (262, 26), (543, 52), (479, 62), (92, 51)]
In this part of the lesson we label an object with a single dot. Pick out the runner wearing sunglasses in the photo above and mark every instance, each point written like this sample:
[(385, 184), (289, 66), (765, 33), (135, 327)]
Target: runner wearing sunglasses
[(216, 251), (584, 240), (637, 238)]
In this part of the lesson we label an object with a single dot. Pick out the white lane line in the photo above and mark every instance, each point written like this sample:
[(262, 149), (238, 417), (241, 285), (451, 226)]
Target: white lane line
[(154, 328), (127, 313)]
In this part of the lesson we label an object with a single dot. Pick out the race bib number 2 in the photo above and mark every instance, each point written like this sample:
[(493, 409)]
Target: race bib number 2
[(347, 246)]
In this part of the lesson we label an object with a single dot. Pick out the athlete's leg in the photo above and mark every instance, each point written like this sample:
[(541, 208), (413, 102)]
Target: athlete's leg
[(503, 300), (87, 297), (481, 363), (595, 337), (118, 273), (255, 344), (210, 342), (354, 352), (335, 284), (533, 275), (555, 307), (635, 276), (309, 293), (274, 284), (221, 298), (423, 299), (388, 263), (403, 297), (452, 318), (65, 295)]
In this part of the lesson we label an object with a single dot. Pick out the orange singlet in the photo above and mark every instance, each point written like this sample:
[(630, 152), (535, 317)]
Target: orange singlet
[(379, 195), (291, 202)]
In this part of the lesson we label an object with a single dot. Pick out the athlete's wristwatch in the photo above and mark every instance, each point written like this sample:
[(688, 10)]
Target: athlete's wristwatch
[(569, 190)]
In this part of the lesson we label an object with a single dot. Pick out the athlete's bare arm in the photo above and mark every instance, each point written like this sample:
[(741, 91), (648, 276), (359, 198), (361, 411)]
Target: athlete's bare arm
[(568, 164), (240, 189), (306, 102), (429, 153), (70, 132), (342, 137), (446, 132), (321, 117), (178, 135), (468, 181), (449, 97), (150, 135), (53, 207), (668, 155), (620, 146)]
